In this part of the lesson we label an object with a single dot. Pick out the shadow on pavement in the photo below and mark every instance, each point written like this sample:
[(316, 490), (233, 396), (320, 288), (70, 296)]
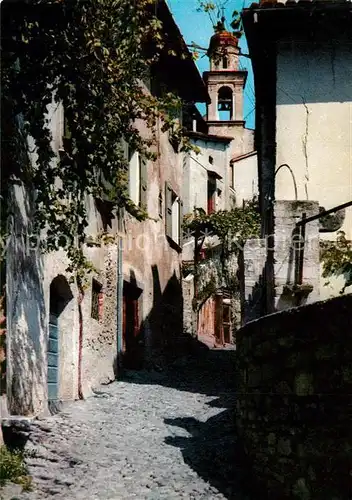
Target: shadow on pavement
[(211, 372), (212, 449)]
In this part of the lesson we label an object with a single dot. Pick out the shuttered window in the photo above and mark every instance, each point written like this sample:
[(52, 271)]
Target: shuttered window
[(143, 182), (180, 221), (66, 135), (175, 219), (138, 179), (173, 215), (160, 205), (168, 210)]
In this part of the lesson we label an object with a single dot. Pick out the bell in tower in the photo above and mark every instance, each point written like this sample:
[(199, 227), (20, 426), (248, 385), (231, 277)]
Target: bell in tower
[(225, 103)]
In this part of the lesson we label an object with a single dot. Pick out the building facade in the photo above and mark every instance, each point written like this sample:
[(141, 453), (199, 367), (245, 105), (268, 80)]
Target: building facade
[(301, 55), (61, 341), (56, 334), (222, 176)]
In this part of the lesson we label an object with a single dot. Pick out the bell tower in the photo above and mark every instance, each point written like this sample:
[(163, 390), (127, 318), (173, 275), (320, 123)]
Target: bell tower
[(225, 82)]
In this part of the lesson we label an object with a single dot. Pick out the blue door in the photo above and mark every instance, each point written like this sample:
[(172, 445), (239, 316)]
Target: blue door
[(53, 359)]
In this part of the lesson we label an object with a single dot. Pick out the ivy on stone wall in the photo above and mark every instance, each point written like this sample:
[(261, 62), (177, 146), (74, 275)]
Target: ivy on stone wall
[(233, 228), (90, 56), (337, 259)]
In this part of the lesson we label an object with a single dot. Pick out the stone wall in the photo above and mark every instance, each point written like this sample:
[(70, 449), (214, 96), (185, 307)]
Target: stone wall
[(252, 269), (189, 315), (30, 275), (286, 214), (269, 265), (295, 399), (99, 350), (152, 261)]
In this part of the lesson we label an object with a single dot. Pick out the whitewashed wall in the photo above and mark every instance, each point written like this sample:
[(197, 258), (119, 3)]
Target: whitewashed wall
[(29, 275), (195, 175), (245, 181), (314, 128)]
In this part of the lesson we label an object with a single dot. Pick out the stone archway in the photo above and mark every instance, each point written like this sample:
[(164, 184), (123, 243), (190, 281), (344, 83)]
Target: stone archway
[(61, 314)]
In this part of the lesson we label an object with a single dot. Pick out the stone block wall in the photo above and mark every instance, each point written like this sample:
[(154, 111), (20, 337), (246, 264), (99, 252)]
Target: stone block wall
[(286, 215), (294, 408), (252, 270), (189, 315)]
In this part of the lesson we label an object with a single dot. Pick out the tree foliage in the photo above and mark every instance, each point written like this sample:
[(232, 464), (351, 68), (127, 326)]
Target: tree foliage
[(233, 227), (89, 56), (215, 12), (337, 259)]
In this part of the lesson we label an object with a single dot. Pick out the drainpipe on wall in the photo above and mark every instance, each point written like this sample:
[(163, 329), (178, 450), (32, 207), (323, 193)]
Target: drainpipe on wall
[(80, 342), (119, 305)]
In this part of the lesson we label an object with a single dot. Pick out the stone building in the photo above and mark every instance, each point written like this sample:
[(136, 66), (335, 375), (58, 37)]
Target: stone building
[(152, 250), (60, 343), (302, 62), (223, 175)]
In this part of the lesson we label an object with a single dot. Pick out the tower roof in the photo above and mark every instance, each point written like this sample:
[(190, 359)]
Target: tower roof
[(222, 39)]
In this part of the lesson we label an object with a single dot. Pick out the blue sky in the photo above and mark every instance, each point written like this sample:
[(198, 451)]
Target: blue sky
[(196, 27)]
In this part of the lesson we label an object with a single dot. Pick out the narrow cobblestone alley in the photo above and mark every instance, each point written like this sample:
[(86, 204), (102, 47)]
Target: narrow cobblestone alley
[(150, 436)]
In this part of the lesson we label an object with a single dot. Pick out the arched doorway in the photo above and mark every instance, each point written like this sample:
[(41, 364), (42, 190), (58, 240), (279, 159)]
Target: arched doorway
[(60, 296)]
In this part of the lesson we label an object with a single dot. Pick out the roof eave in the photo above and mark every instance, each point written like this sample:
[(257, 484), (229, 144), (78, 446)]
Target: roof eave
[(197, 90)]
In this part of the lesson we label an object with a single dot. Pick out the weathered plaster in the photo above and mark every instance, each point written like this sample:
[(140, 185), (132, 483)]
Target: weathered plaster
[(313, 128)]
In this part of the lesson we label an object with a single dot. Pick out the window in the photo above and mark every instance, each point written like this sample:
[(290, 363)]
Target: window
[(225, 107), (175, 208), (147, 79), (211, 193), (224, 62), (106, 215), (176, 115), (173, 215), (160, 200), (232, 175), (97, 301), (66, 136), (137, 179), (67, 132)]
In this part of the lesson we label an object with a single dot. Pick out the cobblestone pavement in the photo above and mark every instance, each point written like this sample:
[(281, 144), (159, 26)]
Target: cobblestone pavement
[(150, 436)]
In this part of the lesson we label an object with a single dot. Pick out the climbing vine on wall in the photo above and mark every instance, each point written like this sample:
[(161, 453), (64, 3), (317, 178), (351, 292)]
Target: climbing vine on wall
[(233, 228), (90, 56), (337, 259)]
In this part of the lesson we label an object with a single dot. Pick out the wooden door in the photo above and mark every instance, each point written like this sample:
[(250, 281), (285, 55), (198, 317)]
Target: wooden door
[(219, 328), (227, 323), (130, 329)]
